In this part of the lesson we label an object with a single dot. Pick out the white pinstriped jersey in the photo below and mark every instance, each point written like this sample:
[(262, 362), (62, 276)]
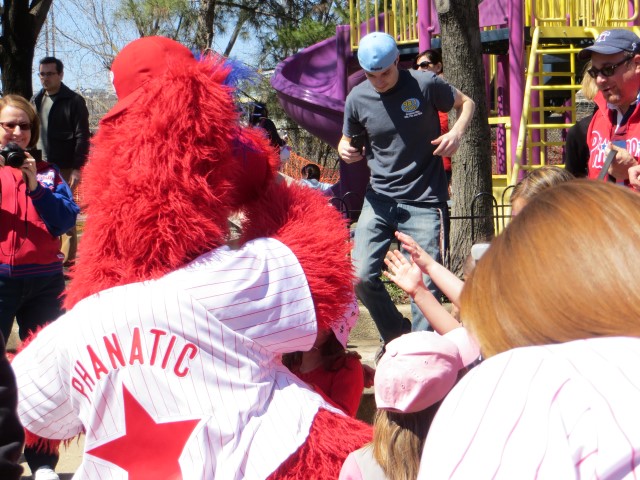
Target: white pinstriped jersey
[(180, 377), (566, 411)]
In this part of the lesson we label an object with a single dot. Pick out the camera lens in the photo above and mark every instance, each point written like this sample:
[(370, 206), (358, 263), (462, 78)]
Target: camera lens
[(13, 155)]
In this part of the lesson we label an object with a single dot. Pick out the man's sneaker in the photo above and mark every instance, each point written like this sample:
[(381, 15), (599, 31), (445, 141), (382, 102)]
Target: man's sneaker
[(45, 473)]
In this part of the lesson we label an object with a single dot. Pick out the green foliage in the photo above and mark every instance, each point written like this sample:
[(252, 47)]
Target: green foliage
[(295, 37), (296, 25), (396, 293), (172, 18)]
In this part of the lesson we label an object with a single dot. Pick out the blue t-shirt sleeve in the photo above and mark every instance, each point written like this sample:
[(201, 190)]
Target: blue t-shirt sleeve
[(351, 124), (442, 94)]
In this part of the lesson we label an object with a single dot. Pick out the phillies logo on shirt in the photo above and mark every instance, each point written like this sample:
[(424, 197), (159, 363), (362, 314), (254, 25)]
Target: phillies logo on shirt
[(600, 145), (47, 178)]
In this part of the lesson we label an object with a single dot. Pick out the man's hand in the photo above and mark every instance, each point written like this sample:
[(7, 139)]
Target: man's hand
[(620, 166), (634, 177), (347, 152), (74, 179), (448, 144)]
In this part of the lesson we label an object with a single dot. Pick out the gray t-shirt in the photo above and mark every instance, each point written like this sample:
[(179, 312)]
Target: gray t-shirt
[(400, 125)]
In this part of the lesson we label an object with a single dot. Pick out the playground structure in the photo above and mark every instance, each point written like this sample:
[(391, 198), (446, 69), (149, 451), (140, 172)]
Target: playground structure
[(531, 67)]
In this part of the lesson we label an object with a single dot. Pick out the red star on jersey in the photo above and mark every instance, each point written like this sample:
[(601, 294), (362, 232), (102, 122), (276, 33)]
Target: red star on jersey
[(148, 450)]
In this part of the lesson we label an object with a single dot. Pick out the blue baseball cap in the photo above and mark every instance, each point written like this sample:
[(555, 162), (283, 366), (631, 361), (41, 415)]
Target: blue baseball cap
[(377, 51), (611, 42)]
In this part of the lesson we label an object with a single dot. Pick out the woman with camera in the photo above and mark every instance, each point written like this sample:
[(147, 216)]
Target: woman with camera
[(36, 207)]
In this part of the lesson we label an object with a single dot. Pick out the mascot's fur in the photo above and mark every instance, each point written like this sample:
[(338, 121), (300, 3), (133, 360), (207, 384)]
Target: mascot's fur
[(163, 177)]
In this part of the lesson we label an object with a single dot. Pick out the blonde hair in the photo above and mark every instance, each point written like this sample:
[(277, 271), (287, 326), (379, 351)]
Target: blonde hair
[(560, 271), (538, 180), (398, 440), (21, 103), (589, 87)]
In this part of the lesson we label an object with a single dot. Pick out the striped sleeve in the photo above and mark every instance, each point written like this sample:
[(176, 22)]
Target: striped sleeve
[(44, 402)]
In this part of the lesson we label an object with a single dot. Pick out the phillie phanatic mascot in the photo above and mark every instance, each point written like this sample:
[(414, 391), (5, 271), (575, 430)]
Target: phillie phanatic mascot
[(168, 358)]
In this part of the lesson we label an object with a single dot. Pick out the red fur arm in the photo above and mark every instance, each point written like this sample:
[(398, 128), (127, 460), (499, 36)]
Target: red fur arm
[(45, 445), (331, 439)]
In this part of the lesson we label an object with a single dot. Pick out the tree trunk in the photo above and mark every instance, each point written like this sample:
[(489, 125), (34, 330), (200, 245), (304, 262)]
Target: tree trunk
[(462, 57), (236, 32), (21, 24), (204, 31)]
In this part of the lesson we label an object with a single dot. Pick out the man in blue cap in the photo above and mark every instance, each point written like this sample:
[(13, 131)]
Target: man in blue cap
[(396, 113), (615, 67)]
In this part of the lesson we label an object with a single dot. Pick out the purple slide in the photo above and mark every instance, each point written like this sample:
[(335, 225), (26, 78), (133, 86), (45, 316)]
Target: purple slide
[(312, 86)]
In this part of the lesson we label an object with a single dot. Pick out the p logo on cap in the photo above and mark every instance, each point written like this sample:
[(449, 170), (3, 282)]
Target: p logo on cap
[(611, 42)]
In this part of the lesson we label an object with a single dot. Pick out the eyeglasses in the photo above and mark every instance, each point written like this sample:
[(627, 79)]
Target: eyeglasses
[(424, 64), (608, 70), (11, 126), (47, 74)]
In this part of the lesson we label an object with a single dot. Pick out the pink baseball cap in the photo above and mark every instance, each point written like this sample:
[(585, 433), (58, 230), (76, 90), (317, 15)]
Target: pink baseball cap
[(419, 369), (345, 323), (140, 62)]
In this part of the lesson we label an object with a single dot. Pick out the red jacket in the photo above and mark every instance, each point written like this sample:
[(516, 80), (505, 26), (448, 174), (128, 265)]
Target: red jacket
[(31, 222), (601, 133)]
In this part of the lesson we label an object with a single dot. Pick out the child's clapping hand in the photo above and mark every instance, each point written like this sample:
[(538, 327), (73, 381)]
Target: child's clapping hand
[(406, 275)]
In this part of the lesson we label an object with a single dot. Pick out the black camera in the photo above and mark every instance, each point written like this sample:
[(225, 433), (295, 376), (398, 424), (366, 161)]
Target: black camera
[(13, 155), (357, 141)]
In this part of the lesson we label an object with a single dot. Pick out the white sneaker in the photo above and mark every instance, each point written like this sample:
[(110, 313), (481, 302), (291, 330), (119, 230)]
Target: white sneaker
[(45, 473)]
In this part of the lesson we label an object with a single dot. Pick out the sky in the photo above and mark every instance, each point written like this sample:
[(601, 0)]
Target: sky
[(82, 69)]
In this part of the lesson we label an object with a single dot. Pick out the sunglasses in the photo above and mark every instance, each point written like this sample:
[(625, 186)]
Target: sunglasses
[(424, 64), (608, 70), (10, 126)]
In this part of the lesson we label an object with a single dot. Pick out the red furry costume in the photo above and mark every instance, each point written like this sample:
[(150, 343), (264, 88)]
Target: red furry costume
[(168, 166)]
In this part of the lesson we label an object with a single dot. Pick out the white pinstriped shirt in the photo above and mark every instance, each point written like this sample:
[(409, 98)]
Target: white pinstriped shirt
[(566, 411), (181, 374)]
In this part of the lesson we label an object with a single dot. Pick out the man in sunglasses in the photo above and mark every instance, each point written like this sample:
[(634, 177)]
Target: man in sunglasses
[(64, 133), (615, 59), (396, 113)]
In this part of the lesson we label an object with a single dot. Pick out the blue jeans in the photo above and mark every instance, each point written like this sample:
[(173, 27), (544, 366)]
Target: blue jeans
[(33, 301), (381, 217)]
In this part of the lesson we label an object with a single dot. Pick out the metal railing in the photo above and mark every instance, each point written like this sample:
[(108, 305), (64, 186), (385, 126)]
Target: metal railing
[(398, 18)]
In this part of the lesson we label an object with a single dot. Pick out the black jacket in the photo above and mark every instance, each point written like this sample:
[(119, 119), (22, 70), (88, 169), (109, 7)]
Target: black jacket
[(576, 149), (11, 432), (68, 128)]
